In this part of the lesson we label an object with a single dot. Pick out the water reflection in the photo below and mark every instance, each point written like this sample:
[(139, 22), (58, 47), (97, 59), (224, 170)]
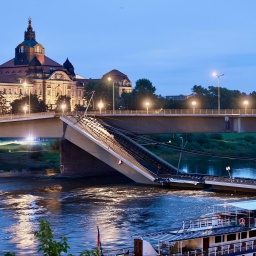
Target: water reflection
[(214, 166), (76, 207), (21, 228)]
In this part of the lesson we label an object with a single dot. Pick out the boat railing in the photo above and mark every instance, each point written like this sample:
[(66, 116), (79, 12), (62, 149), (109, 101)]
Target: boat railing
[(224, 249), (207, 223)]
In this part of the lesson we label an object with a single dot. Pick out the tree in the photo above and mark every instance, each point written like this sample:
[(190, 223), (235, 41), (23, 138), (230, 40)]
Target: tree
[(36, 105), (79, 107), (208, 98), (143, 92), (51, 247), (3, 107), (252, 95), (47, 245), (202, 96), (102, 92), (62, 101)]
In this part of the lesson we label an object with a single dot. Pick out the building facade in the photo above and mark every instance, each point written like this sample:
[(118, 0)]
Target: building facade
[(32, 72)]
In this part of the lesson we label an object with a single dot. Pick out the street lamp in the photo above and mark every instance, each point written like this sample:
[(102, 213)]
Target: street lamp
[(218, 76), (26, 85), (63, 106), (228, 170), (180, 153), (147, 105), (25, 108), (109, 79), (194, 106), (246, 102), (100, 105)]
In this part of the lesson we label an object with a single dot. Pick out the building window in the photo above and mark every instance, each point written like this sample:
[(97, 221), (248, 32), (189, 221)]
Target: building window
[(4, 91), (218, 239), (38, 49), (48, 92), (231, 237), (242, 235), (252, 233), (10, 91), (22, 49)]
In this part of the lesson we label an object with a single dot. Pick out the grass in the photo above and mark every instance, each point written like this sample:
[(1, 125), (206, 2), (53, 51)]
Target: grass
[(36, 156), (232, 144)]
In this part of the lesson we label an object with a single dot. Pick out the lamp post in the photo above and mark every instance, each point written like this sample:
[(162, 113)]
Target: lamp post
[(228, 170), (26, 85), (218, 76), (109, 79), (246, 102), (147, 105), (63, 106), (100, 105), (25, 108), (194, 106), (180, 153)]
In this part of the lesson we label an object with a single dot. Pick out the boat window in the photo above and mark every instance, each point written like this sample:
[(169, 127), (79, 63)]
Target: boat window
[(252, 233), (218, 239), (231, 237), (242, 235)]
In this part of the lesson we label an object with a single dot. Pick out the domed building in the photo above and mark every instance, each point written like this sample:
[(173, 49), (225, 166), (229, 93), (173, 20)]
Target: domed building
[(120, 80), (32, 72)]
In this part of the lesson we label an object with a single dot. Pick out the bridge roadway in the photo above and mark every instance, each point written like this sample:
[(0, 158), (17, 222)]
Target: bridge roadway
[(110, 152)]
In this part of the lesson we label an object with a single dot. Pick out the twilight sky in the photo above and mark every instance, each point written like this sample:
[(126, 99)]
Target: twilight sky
[(176, 44)]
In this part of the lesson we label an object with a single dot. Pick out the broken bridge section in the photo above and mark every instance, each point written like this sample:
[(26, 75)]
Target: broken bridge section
[(106, 149)]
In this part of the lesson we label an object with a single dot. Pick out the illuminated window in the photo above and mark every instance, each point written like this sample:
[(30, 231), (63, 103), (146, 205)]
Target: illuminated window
[(22, 49), (38, 49)]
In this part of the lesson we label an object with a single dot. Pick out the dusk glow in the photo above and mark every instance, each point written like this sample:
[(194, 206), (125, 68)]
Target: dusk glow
[(175, 44)]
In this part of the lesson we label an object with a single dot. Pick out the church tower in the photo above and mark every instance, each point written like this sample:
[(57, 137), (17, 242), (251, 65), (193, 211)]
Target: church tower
[(29, 48)]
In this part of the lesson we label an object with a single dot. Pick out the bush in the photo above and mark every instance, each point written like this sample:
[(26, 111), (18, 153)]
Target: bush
[(47, 245)]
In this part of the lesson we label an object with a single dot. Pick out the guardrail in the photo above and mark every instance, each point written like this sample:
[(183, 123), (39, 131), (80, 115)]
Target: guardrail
[(23, 116), (226, 112), (176, 112)]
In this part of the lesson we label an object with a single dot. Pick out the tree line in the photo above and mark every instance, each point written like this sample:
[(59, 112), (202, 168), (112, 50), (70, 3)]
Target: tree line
[(144, 91)]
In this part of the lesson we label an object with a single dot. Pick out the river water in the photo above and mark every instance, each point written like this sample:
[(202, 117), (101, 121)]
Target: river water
[(75, 207)]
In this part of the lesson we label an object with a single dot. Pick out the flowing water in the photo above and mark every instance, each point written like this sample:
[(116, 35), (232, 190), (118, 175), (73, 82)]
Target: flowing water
[(75, 207)]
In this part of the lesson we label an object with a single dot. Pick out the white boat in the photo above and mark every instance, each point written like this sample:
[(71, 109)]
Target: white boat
[(229, 230)]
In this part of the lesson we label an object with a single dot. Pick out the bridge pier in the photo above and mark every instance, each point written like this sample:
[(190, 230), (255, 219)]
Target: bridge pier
[(76, 161)]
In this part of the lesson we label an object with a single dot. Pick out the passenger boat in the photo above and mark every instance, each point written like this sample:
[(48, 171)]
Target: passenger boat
[(229, 230)]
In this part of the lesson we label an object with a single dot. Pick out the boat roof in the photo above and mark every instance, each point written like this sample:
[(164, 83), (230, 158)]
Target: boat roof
[(167, 236), (249, 205)]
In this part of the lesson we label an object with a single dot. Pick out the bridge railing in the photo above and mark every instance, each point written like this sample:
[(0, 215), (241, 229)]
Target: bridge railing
[(20, 116), (136, 112), (176, 112)]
